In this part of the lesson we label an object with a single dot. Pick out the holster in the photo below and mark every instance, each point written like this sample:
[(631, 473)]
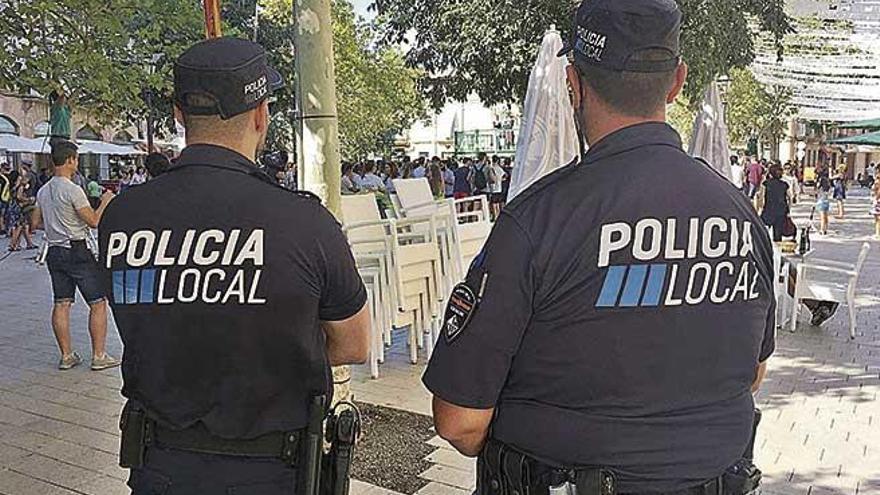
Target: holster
[(343, 430), (504, 470), (136, 434)]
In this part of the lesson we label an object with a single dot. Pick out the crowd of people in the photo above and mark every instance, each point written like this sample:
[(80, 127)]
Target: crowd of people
[(773, 187), (448, 178)]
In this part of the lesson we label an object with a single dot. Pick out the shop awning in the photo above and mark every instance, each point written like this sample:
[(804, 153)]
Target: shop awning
[(870, 139), (872, 124)]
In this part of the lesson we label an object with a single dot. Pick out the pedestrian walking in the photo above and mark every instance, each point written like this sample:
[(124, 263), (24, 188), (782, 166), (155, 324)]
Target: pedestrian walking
[(838, 182), (776, 205), (875, 210), (823, 202), (463, 186), (569, 354), (231, 311), (64, 212)]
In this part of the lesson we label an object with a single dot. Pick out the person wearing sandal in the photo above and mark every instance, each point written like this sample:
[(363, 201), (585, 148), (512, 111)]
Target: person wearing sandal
[(63, 210)]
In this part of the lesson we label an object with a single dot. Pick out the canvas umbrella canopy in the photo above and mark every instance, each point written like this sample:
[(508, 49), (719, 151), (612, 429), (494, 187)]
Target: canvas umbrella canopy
[(11, 143), (547, 138), (709, 140)]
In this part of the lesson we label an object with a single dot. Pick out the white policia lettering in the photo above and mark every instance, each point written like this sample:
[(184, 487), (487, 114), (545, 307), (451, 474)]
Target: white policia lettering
[(206, 282), (724, 273)]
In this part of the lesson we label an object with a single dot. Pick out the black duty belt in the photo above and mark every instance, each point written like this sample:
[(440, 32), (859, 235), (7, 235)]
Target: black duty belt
[(139, 432), (274, 445), (503, 470)]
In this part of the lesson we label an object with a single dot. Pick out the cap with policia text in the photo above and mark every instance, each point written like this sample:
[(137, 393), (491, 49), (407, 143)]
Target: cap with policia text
[(223, 76), (609, 34)]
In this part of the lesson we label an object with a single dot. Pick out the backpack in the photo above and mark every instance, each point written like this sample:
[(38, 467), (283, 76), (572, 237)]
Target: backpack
[(480, 180)]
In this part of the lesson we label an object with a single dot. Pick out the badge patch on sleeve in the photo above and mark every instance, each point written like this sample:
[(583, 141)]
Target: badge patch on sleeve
[(462, 305)]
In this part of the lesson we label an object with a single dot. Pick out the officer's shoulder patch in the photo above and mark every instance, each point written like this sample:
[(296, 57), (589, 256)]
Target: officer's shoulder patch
[(459, 311)]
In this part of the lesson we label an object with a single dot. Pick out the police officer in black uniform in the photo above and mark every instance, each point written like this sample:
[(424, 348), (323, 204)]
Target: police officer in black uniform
[(615, 326), (233, 296)]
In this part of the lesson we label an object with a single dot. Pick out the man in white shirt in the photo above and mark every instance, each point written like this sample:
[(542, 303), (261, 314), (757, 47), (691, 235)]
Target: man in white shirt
[(66, 215), (736, 172)]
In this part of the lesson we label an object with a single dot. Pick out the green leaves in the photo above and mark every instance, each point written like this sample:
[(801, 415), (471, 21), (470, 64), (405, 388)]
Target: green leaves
[(100, 51), (103, 53), (488, 47), (756, 110)]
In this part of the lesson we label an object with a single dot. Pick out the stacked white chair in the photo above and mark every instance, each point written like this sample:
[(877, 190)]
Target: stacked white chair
[(371, 240), (414, 199), (473, 226), (399, 262)]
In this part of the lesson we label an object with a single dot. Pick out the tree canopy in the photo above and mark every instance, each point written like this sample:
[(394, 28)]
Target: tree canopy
[(489, 47), (101, 52), (104, 53), (756, 110)]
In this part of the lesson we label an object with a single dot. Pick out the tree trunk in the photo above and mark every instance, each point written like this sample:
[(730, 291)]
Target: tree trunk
[(318, 128)]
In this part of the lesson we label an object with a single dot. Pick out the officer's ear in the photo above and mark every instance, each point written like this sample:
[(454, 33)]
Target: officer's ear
[(178, 116), (261, 117), (681, 75)]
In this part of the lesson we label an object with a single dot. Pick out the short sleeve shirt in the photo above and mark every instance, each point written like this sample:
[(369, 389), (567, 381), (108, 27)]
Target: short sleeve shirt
[(219, 281), (624, 304), (58, 201)]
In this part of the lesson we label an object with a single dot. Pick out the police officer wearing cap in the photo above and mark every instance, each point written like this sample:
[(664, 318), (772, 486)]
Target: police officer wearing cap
[(233, 296), (610, 336)]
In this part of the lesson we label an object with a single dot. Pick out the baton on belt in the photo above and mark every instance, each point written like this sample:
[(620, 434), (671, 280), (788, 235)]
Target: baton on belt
[(312, 449)]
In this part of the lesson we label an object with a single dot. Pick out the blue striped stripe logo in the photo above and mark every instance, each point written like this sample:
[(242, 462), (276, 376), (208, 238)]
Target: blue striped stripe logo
[(134, 286), (630, 286)]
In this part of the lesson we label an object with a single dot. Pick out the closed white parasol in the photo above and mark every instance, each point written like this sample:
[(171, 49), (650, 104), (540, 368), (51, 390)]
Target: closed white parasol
[(547, 138)]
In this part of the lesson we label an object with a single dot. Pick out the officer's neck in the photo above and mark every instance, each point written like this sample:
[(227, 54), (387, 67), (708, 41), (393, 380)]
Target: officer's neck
[(600, 121), (246, 149)]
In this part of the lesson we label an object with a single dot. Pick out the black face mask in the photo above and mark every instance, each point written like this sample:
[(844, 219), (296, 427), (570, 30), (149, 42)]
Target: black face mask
[(579, 123)]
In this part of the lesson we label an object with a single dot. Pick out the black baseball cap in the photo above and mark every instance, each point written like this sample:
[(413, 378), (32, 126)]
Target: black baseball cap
[(223, 76), (609, 33)]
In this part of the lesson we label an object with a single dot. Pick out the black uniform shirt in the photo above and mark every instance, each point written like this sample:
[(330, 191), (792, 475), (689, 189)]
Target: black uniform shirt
[(218, 281), (625, 305)]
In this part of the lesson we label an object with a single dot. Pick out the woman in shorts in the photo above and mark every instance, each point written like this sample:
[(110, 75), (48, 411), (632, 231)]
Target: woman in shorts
[(823, 202)]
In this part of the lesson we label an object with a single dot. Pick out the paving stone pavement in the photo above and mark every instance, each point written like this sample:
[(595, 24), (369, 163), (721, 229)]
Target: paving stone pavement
[(820, 435)]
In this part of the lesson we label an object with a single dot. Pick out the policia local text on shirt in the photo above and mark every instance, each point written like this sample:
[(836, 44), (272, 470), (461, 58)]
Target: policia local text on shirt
[(609, 337), (233, 298)]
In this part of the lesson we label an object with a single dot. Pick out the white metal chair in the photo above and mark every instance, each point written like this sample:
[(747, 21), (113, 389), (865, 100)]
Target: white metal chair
[(473, 227), (371, 240), (405, 253), (831, 281)]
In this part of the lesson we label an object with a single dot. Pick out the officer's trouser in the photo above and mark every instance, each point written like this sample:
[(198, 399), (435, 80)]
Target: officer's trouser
[(176, 472)]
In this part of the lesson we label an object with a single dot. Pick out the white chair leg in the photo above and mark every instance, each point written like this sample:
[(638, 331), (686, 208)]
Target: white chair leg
[(414, 330), (795, 306), (852, 318)]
